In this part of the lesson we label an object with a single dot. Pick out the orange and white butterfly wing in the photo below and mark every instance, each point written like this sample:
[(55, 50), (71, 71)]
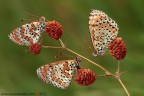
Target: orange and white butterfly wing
[(28, 33), (102, 30), (59, 73)]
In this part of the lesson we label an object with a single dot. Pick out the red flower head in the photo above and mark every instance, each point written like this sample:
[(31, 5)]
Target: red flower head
[(85, 77), (54, 29), (35, 48), (117, 49)]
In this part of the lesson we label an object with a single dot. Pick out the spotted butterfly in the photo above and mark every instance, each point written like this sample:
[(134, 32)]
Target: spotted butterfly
[(103, 31), (28, 33), (58, 74)]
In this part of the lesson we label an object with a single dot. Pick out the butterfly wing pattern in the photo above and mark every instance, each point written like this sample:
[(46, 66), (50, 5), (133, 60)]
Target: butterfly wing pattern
[(102, 30), (58, 73), (28, 33)]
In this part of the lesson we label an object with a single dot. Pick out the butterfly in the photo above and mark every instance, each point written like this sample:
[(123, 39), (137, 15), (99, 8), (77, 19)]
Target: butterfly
[(103, 31), (58, 74), (28, 33)]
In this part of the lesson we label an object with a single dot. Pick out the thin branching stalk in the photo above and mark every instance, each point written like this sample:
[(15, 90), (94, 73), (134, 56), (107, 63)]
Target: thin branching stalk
[(107, 73), (123, 86)]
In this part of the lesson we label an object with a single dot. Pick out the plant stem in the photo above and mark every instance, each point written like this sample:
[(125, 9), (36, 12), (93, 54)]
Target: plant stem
[(106, 71), (52, 47), (123, 86), (118, 70), (117, 75), (88, 60)]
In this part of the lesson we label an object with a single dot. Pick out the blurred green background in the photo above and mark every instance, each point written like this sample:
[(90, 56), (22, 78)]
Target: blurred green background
[(18, 67)]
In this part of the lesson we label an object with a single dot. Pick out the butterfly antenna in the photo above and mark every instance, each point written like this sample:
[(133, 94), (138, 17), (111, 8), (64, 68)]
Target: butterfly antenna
[(86, 41), (41, 40), (27, 19), (32, 15), (63, 55)]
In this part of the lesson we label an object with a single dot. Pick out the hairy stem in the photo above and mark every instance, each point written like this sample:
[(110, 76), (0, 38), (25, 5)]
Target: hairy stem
[(88, 60), (52, 47), (106, 71), (118, 70), (117, 75), (123, 86)]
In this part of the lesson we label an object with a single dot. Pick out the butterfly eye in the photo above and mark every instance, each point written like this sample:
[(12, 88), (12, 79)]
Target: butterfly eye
[(78, 59), (42, 19)]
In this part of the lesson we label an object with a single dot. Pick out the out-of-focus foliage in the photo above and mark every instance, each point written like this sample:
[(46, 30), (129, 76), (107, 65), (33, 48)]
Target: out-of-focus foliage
[(18, 67)]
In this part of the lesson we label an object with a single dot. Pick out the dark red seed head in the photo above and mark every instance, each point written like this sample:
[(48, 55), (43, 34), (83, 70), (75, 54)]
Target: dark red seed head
[(117, 49), (85, 77), (54, 29), (35, 48)]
